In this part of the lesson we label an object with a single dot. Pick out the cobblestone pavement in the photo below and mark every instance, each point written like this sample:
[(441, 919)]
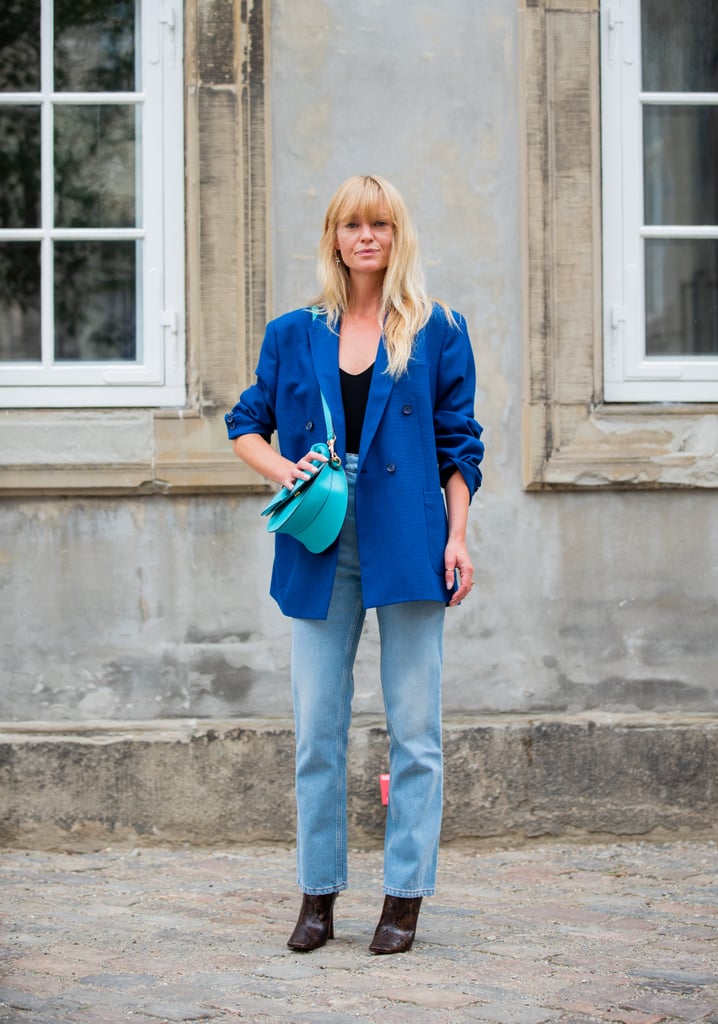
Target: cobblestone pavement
[(550, 932)]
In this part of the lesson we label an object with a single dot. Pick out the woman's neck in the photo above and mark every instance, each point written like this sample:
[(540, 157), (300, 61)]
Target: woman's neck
[(365, 296), (360, 329)]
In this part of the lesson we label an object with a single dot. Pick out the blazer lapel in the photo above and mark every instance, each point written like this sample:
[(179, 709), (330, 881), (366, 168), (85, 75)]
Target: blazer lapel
[(381, 385)]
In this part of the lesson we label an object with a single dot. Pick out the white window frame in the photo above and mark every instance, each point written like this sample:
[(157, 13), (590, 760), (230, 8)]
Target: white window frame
[(157, 378), (630, 375)]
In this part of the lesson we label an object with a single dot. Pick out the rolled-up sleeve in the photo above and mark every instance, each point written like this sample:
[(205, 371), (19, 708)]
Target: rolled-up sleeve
[(458, 435), (254, 413)]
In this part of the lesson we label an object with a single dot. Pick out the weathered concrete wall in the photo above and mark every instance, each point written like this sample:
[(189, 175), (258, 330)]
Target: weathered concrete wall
[(509, 778), (157, 607)]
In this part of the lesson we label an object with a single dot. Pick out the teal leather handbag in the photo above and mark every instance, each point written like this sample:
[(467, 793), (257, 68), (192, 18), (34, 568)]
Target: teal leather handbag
[(313, 511)]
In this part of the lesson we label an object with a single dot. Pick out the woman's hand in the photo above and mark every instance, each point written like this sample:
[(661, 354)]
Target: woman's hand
[(302, 470), (456, 556), (259, 454)]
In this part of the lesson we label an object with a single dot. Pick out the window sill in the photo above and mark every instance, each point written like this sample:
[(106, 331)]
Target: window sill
[(641, 447), (52, 452)]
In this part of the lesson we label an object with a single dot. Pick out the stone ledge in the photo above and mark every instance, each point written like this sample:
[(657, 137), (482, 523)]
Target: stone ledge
[(508, 777)]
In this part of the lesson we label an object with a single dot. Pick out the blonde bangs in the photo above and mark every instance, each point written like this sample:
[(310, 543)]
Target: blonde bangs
[(364, 198)]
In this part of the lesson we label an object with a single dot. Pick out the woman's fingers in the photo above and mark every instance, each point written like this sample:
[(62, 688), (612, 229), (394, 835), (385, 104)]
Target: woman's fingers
[(465, 581), (305, 468)]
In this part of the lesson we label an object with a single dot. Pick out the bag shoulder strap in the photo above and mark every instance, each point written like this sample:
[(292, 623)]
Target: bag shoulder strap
[(328, 419), (331, 436)]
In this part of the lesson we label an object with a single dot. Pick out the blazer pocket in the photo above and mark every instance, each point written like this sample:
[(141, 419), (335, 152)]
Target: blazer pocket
[(437, 529)]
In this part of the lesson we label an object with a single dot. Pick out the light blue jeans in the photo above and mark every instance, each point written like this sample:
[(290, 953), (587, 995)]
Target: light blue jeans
[(323, 654)]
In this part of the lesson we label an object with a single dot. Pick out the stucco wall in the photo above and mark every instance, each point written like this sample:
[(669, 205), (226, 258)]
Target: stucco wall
[(157, 607)]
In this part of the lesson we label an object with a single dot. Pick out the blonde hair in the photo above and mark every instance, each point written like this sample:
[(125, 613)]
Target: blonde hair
[(405, 306)]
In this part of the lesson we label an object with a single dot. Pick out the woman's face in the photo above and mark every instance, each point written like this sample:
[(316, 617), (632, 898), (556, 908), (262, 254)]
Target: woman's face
[(365, 243)]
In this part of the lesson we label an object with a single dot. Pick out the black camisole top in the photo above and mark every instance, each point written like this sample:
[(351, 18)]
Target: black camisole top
[(355, 392)]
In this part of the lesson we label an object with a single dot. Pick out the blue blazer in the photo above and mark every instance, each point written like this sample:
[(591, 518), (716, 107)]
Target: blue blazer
[(417, 431)]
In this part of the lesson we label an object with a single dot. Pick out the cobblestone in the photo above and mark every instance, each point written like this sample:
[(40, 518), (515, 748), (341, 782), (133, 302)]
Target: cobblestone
[(545, 933)]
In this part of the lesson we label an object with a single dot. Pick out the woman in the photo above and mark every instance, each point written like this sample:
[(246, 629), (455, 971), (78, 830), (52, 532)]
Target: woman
[(398, 375)]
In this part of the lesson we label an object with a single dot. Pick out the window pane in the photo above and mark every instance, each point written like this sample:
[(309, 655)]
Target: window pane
[(95, 301), (19, 167), (20, 301), (95, 45), (20, 46), (679, 46), (681, 297), (680, 165), (95, 166)]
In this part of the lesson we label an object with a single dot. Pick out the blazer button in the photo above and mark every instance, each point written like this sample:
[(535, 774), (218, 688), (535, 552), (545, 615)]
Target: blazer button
[(309, 425), (407, 410), (229, 419), (391, 467)]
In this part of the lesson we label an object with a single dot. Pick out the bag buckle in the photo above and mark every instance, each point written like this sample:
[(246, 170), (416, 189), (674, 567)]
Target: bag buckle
[(335, 461)]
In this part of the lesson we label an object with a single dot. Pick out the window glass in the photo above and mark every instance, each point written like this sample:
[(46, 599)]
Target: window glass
[(19, 301), (91, 198), (19, 181), (95, 165), (20, 46), (660, 200), (19, 166), (680, 154), (681, 297), (95, 300), (94, 45), (679, 45)]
